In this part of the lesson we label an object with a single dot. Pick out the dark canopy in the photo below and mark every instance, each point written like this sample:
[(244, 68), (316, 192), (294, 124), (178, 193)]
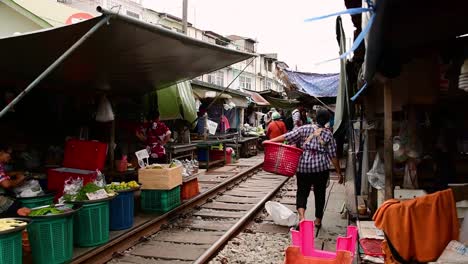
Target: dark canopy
[(404, 29), (126, 56)]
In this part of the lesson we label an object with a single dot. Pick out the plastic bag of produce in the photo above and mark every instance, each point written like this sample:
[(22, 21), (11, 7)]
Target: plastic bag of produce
[(281, 214), (29, 189), (71, 189), (100, 179)]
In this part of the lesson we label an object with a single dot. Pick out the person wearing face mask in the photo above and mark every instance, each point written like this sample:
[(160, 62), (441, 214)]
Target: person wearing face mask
[(9, 207), (155, 134)]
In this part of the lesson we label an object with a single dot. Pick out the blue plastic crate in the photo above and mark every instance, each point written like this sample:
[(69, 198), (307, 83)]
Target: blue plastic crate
[(121, 211)]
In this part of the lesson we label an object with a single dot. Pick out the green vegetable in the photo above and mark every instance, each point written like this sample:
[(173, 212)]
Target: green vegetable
[(88, 188), (45, 211)]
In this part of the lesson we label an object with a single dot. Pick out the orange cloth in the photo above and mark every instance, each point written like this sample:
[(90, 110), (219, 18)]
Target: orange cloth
[(419, 229), (276, 129), (294, 256)]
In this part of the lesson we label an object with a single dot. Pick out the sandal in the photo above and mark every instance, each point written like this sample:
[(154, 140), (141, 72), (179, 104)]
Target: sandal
[(318, 226)]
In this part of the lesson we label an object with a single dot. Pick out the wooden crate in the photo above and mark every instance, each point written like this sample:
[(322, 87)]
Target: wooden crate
[(160, 179)]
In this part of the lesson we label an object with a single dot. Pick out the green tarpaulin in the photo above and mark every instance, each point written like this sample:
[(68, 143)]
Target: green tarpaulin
[(177, 102)]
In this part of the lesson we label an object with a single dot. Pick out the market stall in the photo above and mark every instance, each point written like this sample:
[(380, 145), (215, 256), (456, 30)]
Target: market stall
[(63, 101), (411, 101), (211, 152)]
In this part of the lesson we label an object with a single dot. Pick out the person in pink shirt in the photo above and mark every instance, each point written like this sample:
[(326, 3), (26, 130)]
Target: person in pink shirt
[(9, 207), (155, 134)]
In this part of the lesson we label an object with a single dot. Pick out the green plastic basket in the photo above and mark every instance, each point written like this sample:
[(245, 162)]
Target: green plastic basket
[(91, 224), (11, 249), (37, 201), (51, 239), (160, 201)]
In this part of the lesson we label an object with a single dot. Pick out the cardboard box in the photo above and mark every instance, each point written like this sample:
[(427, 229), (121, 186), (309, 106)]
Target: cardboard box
[(160, 179)]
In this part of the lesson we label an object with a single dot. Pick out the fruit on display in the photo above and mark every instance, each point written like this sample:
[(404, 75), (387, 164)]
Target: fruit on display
[(116, 186), (7, 224)]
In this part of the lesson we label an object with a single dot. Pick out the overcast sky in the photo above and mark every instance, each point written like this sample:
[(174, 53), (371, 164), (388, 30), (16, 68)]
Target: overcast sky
[(277, 25)]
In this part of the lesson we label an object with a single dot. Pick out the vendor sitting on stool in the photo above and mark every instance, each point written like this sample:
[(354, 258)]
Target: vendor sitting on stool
[(155, 134), (8, 206)]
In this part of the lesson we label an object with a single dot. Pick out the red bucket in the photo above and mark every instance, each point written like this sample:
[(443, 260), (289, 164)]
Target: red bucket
[(281, 159)]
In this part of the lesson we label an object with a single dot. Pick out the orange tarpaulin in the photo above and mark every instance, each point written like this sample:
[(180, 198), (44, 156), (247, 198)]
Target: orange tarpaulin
[(419, 229)]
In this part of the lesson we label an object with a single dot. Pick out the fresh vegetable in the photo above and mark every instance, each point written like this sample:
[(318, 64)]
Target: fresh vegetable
[(88, 188), (51, 210), (7, 224)]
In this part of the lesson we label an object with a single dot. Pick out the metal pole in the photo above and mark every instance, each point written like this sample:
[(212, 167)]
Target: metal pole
[(54, 65), (388, 145), (184, 16)]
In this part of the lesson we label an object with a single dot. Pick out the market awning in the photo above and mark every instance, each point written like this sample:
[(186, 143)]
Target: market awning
[(314, 84), (258, 99), (282, 103), (125, 56), (217, 88), (203, 93)]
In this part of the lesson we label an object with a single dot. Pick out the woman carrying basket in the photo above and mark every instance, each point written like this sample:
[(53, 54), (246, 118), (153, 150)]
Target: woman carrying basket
[(319, 148)]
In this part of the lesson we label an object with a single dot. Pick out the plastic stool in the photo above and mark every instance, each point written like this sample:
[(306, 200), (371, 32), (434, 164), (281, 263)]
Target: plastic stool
[(304, 239)]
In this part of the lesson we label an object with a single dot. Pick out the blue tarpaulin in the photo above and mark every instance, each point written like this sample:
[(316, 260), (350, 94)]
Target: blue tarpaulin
[(315, 84)]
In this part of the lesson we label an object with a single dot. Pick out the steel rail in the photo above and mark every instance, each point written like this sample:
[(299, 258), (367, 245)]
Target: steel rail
[(237, 227), (106, 252)]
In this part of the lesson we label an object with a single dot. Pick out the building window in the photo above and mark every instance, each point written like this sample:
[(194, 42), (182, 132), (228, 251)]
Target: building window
[(245, 82), (216, 78), (133, 14), (267, 85)]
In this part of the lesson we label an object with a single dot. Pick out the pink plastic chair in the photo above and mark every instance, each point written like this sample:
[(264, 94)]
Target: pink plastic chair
[(305, 240)]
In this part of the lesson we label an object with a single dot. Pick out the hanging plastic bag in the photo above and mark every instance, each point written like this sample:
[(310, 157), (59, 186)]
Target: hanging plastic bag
[(104, 111), (376, 175), (410, 180), (281, 214)]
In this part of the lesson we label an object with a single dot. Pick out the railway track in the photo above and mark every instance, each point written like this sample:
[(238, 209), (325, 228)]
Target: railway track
[(199, 228)]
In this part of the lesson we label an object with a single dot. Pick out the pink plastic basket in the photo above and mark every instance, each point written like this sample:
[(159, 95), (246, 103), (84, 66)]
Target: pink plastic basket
[(281, 159)]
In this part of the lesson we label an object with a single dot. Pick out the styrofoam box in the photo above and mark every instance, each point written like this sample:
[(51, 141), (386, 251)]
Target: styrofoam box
[(407, 194)]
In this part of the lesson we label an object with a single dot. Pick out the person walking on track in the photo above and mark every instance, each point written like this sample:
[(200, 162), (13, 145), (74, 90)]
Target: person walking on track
[(319, 148)]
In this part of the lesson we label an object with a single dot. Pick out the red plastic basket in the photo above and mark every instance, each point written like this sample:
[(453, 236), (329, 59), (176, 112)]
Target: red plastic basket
[(281, 159)]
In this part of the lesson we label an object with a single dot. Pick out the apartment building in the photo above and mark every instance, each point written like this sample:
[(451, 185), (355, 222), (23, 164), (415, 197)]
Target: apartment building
[(132, 8)]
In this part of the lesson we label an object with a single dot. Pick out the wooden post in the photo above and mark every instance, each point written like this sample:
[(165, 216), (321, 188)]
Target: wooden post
[(241, 118), (388, 140), (112, 144)]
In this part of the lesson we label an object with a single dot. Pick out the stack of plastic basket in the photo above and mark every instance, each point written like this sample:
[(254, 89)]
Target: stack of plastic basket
[(160, 188), (51, 237), (11, 251), (91, 223), (122, 210)]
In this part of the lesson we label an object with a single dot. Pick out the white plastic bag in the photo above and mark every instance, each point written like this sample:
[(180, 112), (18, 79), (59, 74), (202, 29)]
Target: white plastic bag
[(100, 179), (71, 188), (376, 175), (104, 111), (30, 188), (281, 214)]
